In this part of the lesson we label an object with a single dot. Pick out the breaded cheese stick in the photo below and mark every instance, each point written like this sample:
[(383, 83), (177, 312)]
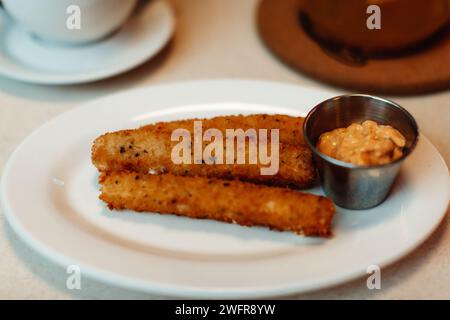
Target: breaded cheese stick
[(147, 151), (291, 128), (243, 203)]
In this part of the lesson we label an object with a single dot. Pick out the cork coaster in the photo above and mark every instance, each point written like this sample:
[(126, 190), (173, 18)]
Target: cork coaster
[(419, 71)]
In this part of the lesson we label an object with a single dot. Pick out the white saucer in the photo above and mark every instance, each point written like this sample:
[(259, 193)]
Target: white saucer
[(26, 58), (49, 194)]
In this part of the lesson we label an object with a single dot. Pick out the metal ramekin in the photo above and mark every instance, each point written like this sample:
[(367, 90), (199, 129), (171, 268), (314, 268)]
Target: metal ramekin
[(351, 186)]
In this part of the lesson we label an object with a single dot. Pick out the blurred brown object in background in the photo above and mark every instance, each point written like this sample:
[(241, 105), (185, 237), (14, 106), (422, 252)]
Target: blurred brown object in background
[(404, 23), (288, 30)]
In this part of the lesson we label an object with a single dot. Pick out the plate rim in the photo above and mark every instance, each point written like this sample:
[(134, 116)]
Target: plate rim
[(182, 290)]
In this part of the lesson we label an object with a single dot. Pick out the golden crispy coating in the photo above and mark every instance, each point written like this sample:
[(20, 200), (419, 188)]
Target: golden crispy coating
[(229, 201), (291, 128), (150, 148)]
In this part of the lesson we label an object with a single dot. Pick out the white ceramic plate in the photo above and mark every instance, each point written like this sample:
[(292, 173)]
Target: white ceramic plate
[(26, 58), (49, 194)]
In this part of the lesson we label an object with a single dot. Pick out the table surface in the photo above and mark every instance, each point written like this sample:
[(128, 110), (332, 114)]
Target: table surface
[(214, 39)]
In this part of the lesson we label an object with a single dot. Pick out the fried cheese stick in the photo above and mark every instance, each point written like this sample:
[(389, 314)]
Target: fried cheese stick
[(149, 149), (151, 152), (291, 128), (235, 201)]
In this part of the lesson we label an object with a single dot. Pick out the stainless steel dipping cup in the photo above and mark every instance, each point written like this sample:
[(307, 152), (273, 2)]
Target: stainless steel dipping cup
[(348, 185)]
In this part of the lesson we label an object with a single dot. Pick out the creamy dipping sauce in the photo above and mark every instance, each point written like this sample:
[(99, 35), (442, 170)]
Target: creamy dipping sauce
[(363, 144)]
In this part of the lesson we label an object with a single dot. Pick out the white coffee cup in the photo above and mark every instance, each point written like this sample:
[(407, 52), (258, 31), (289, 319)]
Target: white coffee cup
[(70, 21)]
